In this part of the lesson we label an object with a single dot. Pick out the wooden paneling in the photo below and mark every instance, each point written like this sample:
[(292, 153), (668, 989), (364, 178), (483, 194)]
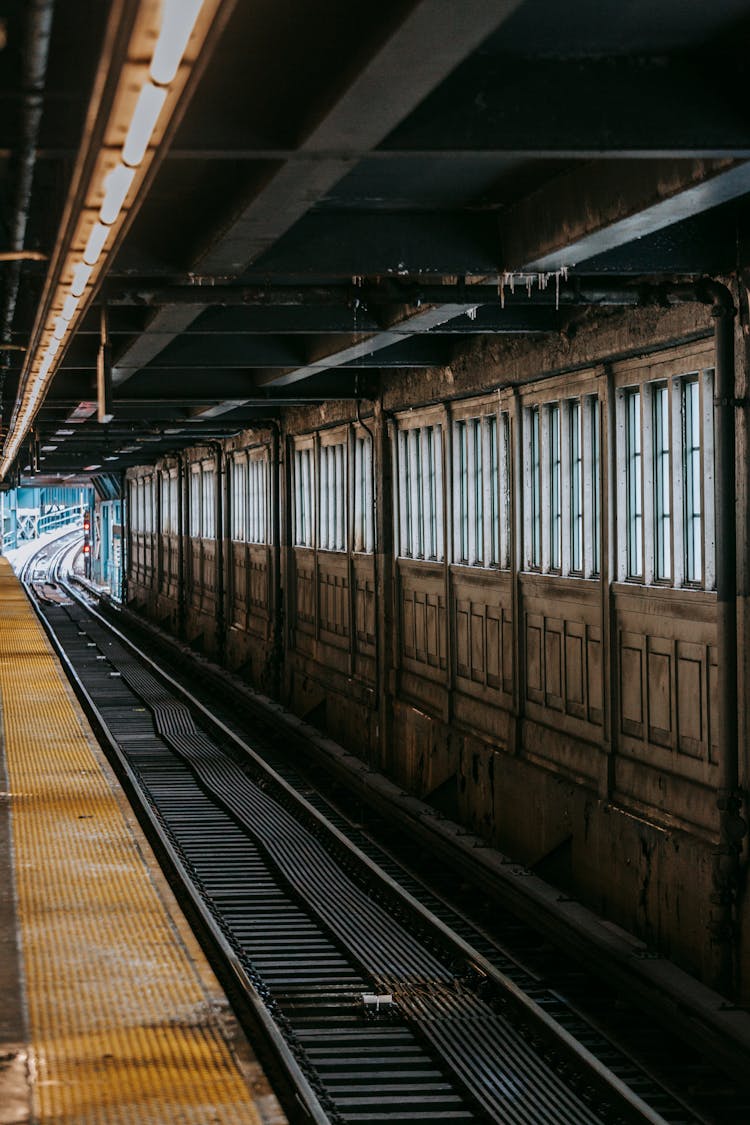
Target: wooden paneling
[(303, 564), (170, 566), (333, 598), (423, 619), (365, 622), (483, 629), (562, 654), (666, 675), (250, 591)]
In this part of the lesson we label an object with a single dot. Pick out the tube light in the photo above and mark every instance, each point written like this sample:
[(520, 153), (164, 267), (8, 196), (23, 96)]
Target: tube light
[(148, 107), (61, 327), (95, 244), (116, 187), (52, 348), (81, 275), (69, 307), (178, 21)]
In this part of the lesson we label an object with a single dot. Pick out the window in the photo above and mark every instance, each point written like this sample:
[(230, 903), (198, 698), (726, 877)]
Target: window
[(554, 491), (592, 487), (662, 482), (208, 514), (169, 502), (333, 497), (239, 498), (195, 501), (576, 486), (303, 498), (535, 490), (364, 515), (500, 482), (561, 487), (146, 519), (634, 485), (257, 501), (693, 507), (420, 491), (133, 504), (665, 460), (470, 492)]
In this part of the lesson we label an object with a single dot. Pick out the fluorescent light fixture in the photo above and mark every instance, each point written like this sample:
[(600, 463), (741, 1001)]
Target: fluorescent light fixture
[(156, 45), (116, 187), (95, 244), (81, 275), (148, 107), (64, 433), (90, 468), (69, 307), (178, 21), (113, 457), (48, 448)]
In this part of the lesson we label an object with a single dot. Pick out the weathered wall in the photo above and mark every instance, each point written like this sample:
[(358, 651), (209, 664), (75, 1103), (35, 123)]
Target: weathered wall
[(569, 720)]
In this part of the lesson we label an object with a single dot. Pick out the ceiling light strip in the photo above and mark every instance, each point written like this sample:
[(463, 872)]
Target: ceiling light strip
[(114, 183)]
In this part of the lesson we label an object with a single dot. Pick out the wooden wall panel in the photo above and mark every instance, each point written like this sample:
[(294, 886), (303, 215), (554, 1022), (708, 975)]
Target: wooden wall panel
[(364, 603), (666, 683), (303, 613), (423, 620), (333, 599), (562, 683)]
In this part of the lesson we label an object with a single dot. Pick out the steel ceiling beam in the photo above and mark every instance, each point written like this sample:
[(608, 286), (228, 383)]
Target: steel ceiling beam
[(600, 207), (434, 37)]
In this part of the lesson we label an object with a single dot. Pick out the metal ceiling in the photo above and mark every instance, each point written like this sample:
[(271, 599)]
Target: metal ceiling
[(346, 186)]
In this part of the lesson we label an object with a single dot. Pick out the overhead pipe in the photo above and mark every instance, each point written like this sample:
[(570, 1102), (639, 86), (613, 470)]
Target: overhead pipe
[(36, 55)]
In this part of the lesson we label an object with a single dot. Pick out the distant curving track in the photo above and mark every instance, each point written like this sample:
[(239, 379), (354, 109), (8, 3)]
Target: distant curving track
[(374, 1004)]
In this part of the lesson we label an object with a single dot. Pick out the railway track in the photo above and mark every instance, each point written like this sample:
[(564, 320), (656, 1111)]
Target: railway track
[(376, 1000)]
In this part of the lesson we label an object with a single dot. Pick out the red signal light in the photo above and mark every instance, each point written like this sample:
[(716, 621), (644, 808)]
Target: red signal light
[(86, 548)]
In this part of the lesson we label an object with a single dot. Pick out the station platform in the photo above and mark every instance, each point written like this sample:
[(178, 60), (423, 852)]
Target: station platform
[(109, 1012)]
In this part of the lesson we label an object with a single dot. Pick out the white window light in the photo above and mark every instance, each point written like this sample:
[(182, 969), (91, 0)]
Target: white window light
[(95, 244), (81, 274), (634, 485), (148, 107), (116, 187), (178, 21)]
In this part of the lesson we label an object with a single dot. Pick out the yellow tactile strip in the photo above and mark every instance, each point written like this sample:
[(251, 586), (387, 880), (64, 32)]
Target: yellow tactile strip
[(121, 1025)]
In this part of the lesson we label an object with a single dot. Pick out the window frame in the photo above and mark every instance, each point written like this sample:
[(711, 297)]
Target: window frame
[(661, 383), (418, 452)]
